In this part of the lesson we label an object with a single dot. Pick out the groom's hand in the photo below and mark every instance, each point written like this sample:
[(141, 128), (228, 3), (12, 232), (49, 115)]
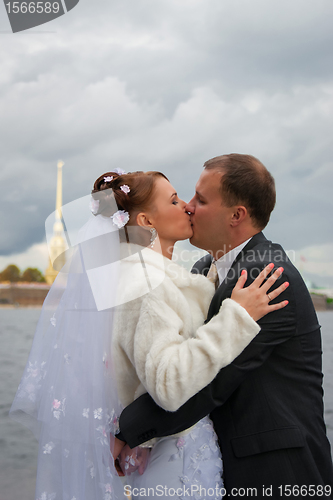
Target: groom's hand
[(118, 445), (134, 459)]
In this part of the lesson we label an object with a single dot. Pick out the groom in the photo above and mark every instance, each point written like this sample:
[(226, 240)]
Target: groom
[(266, 406)]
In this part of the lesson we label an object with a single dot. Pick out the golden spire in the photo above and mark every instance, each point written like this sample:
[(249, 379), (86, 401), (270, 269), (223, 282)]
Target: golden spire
[(60, 164), (57, 245)]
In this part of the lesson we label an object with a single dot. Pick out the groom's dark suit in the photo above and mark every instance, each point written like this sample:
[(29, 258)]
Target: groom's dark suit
[(266, 406)]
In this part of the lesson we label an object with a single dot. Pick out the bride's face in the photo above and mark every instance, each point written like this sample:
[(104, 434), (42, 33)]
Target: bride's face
[(168, 216)]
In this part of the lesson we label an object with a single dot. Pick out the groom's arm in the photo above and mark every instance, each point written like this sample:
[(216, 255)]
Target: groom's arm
[(144, 419)]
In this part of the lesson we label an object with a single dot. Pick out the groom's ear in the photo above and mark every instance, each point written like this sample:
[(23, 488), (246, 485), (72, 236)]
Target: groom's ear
[(238, 216), (143, 220)]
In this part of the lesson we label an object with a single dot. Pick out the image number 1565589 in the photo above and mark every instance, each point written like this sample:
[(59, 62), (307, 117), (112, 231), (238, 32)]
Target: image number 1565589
[(33, 7)]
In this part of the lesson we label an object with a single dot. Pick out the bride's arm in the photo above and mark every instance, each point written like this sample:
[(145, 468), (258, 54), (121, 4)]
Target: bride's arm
[(173, 369)]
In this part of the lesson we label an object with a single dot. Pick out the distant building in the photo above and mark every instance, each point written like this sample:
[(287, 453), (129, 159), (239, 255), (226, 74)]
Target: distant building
[(57, 244), (23, 294), (322, 298)]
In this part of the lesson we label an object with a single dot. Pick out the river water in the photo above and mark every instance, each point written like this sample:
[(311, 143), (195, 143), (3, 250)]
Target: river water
[(18, 447)]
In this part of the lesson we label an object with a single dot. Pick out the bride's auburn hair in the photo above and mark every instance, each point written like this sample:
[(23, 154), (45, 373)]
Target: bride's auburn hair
[(139, 197)]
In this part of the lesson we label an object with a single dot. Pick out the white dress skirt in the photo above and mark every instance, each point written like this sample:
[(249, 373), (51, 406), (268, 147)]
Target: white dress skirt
[(182, 466)]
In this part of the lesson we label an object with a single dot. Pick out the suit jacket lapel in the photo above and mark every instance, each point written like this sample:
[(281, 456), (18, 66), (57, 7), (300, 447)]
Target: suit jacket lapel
[(254, 241), (202, 266), (225, 289)]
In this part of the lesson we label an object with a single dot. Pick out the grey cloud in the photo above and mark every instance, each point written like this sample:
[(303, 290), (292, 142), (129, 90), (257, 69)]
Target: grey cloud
[(166, 85)]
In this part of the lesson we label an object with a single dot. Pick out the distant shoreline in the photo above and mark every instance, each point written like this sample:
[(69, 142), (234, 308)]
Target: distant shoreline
[(17, 295), (21, 306), (320, 306)]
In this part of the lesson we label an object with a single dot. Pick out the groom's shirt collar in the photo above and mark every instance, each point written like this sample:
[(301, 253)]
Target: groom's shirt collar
[(225, 262)]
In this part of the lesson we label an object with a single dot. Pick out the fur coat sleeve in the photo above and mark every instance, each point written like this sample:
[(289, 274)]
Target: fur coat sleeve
[(160, 350)]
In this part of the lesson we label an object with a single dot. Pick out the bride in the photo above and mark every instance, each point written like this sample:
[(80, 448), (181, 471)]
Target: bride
[(122, 319)]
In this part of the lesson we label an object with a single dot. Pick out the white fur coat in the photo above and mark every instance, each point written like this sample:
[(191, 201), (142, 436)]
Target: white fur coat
[(160, 344)]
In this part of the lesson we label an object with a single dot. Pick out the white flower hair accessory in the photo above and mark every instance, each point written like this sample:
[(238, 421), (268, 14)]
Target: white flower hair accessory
[(125, 189), (119, 171), (108, 178), (94, 206), (120, 218)]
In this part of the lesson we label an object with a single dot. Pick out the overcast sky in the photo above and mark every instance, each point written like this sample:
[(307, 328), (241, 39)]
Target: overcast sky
[(165, 85)]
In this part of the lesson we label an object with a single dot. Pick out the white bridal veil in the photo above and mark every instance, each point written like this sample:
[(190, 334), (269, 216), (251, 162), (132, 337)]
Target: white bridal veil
[(68, 394)]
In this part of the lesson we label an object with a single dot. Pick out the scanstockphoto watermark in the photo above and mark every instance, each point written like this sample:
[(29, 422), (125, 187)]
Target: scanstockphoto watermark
[(277, 255), (108, 253), (282, 491), (185, 491), (26, 14)]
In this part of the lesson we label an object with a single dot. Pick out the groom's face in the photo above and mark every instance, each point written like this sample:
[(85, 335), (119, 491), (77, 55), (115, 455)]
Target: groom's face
[(210, 218)]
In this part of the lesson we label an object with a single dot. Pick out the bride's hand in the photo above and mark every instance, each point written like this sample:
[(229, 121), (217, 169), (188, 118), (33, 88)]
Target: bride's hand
[(255, 298)]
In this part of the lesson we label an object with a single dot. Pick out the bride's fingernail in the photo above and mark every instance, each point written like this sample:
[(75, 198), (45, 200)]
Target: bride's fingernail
[(286, 284), (243, 272), (286, 302), (271, 265), (281, 269)]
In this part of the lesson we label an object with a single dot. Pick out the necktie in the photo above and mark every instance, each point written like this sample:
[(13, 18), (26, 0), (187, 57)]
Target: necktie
[(212, 274)]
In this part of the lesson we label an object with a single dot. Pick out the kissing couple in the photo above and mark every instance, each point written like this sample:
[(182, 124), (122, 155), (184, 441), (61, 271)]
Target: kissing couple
[(216, 372)]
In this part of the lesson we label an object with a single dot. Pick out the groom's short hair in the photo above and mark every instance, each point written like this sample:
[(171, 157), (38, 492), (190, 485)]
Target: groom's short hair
[(247, 181)]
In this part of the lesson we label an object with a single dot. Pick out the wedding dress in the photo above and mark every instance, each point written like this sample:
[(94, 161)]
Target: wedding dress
[(188, 465), (86, 364)]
